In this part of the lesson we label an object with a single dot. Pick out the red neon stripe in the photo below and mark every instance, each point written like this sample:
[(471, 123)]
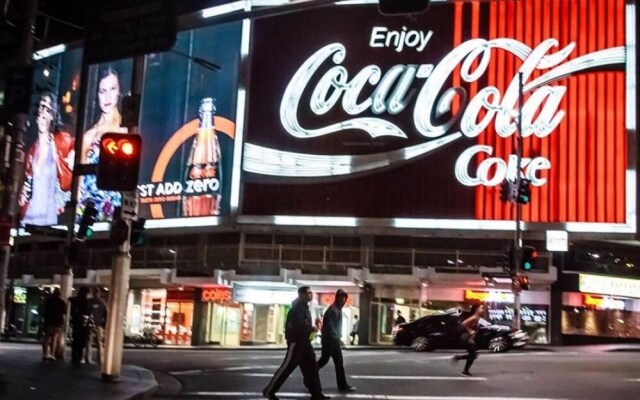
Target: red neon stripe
[(573, 127), (600, 140), (563, 143), (457, 40), (483, 193), (591, 198), (610, 127), (621, 142)]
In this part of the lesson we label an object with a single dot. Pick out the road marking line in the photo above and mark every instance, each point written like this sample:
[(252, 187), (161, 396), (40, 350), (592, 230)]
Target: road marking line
[(632, 379), (365, 396), (187, 372), (375, 377), (250, 358), (419, 378), (249, 367), (213, 370)]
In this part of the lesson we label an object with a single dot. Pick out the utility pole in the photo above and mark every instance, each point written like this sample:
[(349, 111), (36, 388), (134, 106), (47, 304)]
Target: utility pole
[(66, 280), (14, 147), (517, 248), (121, 267)]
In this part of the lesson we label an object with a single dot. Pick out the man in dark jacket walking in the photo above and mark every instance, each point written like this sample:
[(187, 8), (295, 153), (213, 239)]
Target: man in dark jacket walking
[(55, 310), (298, 330), (332, 340), (99, 315)]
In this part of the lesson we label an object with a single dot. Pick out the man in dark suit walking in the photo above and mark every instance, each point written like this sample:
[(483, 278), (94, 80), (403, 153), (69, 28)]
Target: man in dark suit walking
[(332, 340), (298, 331)]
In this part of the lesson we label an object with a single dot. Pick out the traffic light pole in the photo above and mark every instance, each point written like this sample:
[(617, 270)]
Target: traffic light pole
[(121, 268), (17, 127), (517, 238)]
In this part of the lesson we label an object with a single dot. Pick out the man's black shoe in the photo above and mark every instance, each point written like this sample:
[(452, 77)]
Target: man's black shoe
[(270, 396), (347, 389)]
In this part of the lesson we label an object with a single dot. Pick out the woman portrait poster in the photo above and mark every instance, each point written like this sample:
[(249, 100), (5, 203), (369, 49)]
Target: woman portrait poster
[(48, 167), (110, 86)]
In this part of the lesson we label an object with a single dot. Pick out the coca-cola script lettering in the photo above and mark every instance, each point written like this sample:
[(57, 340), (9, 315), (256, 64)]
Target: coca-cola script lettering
[(338, 87)]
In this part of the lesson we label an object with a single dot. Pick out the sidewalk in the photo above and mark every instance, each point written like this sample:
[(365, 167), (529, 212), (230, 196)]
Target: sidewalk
[(27, 378)]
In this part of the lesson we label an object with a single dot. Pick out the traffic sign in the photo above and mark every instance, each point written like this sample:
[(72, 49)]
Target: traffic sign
[(127, 28), (38, 230), (130, 205)]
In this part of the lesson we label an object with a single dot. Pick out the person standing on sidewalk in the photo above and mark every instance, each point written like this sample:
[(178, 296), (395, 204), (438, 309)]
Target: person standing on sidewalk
[(81, 323), (99, 316), (54, 311), (332, 340), (354, 331), (298, 331), (469, 329)]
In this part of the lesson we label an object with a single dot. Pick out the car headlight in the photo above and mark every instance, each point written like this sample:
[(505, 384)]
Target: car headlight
[(518, 335)]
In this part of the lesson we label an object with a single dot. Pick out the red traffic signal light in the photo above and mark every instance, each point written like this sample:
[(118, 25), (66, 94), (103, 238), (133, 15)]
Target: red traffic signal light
[(127, 146), (119, 162)]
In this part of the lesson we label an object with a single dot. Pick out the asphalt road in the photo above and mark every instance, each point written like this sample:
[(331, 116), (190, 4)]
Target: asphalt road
[(398, 374)]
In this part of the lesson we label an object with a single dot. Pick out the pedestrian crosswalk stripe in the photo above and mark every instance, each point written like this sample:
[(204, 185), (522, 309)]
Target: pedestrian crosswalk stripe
[(420, 378), (361, 396), (375, 377)]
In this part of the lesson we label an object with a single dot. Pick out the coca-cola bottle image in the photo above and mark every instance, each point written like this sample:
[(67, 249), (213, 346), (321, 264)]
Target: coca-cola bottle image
[(201, 194)]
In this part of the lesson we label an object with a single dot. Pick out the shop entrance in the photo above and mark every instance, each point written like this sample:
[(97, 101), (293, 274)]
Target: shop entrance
[(224, 328), (269, 323)]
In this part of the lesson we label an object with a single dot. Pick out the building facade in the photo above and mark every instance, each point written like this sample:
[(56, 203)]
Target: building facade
[(368, 156)]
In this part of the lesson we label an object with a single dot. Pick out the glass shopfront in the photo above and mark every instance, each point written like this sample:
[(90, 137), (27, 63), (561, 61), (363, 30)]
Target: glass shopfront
[(223, 316), (498, 310), (321, 303), (167, 313), (264, 313), (600, 315)]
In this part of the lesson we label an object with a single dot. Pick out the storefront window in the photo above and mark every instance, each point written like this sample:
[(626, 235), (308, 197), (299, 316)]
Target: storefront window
[(594, 322)]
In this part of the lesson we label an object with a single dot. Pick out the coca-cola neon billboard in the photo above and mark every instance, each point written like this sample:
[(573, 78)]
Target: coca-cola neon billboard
[(376, 94)]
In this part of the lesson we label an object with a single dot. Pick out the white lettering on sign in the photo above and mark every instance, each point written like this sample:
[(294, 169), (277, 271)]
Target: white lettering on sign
[(609, 286), (383, 37), (391, 92)]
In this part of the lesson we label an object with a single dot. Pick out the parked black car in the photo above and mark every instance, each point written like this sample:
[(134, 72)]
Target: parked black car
[(443, 332)]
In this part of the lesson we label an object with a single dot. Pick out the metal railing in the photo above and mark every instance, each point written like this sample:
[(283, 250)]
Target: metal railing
[(268, 259)]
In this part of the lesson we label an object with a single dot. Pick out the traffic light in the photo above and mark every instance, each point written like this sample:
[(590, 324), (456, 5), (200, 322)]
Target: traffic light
[(509, 257), (523, 280), (119, 162), (399, 7), (138, 236), (505, 191), (529, 258), (119, 231), (524, 191), (88, 219)]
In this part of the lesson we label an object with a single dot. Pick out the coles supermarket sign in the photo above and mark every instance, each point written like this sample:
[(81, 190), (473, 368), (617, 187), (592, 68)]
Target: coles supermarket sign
[(377, 117)]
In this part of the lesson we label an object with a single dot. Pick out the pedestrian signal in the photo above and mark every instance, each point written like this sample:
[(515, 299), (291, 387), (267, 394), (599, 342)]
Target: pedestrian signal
[(119, 162), (505, 191), (89, 217), (524, 191), (138, 235), (529, 258), (523, 280)]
